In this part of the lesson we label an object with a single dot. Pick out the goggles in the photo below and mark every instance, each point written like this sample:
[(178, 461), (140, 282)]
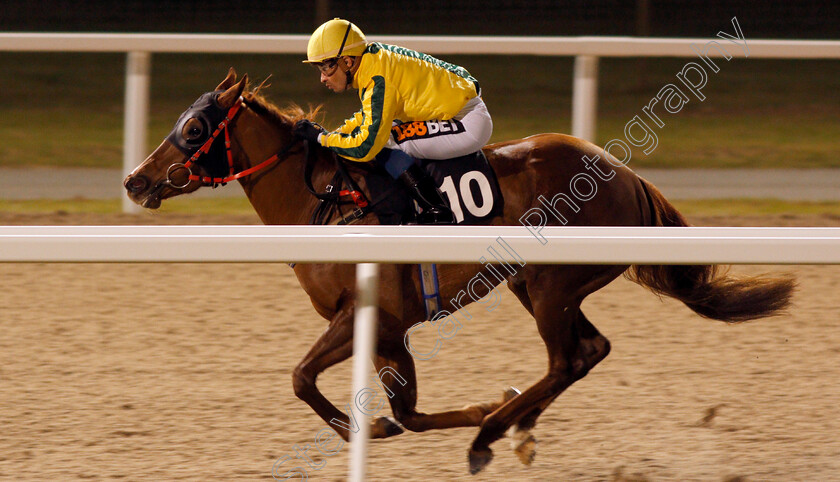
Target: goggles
[(328, 67)]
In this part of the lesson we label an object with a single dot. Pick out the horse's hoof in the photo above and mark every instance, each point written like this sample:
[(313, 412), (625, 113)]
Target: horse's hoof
[(510, 394), (479, 459), (524, 445), (392, 427), (384, 427)]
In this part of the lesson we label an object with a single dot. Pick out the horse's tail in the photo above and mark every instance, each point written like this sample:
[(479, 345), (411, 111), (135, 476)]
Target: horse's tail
[(708, 290)]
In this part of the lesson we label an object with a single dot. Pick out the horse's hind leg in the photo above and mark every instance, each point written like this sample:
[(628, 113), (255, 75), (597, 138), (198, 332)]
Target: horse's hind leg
[(396, 372), (574, 347), (594, 347)]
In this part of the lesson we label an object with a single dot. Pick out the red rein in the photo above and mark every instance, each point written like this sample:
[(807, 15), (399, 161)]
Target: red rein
[(358, 198)]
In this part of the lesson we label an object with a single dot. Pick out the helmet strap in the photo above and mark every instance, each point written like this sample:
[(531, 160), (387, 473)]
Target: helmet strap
[(344, 40), (349, 76), (347, 72)]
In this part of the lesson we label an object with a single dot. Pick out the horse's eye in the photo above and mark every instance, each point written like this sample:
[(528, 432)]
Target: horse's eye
[(193, 130)]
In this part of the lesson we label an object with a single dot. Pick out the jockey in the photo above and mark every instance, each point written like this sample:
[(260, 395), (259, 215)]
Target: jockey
[(404, 94)]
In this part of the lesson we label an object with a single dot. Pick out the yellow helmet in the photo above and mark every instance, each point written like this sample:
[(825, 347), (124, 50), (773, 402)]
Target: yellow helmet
[(333, 39)]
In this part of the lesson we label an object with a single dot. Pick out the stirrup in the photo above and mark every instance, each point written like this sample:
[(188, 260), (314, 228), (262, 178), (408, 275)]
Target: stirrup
[(436, 215)]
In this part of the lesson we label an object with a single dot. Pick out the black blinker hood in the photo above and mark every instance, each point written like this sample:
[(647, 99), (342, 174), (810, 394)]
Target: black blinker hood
[(207, 110)]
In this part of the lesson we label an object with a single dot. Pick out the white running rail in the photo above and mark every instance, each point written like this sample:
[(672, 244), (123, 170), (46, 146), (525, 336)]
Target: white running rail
[(414, 244)]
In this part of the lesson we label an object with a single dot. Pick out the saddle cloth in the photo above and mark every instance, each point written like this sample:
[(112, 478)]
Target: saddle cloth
[(468, 182)]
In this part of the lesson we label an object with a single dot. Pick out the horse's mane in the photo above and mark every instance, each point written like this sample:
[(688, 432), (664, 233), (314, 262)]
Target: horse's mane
[(285, 116)]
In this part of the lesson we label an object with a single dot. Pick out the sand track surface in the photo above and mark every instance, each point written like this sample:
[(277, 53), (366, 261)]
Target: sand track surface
[(183, 372)]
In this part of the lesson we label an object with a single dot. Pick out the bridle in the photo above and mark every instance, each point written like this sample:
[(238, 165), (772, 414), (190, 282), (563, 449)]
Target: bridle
[(328, 199), (224, 126)]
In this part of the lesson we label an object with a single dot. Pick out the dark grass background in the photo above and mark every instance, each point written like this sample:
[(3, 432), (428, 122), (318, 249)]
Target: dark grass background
[(66, 109)]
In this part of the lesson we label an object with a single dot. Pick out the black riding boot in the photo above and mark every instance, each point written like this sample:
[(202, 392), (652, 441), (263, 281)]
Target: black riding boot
[(423, 190)]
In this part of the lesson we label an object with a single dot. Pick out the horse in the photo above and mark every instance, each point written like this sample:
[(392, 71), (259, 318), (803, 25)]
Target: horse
[(269, 163)]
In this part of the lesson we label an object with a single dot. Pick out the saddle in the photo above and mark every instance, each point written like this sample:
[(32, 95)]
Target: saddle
[(468, 182)]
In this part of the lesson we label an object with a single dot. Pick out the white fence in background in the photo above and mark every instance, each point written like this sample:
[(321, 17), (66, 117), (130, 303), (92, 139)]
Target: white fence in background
[(410, 244), (586, 51)]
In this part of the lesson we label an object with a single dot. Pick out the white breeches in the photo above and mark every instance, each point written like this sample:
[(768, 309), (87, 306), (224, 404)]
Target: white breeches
[(465, 133)]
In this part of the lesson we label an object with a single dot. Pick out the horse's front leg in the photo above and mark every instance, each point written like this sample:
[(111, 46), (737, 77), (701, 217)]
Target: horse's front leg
[(333, 346)]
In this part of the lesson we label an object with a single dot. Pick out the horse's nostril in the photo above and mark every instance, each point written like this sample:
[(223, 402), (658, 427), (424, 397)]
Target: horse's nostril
[(136, 184)]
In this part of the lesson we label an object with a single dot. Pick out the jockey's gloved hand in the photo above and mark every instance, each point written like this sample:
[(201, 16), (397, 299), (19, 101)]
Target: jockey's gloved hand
[(307, 130)]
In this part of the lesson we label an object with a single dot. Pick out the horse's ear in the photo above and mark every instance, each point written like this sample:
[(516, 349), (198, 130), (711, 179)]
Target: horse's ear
[(229, 80), (232, 94)]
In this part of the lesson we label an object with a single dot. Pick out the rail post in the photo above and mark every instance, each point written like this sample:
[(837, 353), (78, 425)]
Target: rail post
[(585, 97), (136, 117), (364, 347)]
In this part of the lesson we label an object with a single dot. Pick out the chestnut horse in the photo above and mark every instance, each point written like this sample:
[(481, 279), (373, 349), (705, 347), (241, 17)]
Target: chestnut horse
[(269, 163)]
